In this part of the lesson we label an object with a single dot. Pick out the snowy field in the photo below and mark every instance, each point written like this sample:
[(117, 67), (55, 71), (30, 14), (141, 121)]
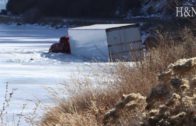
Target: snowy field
[(26, 66)]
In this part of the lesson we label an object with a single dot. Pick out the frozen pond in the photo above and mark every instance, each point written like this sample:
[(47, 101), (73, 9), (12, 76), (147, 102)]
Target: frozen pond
[(26, 65)]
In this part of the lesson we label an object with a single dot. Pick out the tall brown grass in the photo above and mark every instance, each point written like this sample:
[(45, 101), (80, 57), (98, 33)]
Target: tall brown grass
[(88, 106)]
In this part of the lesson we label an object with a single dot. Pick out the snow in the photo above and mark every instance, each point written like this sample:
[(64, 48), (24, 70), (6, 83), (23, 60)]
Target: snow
[(28, 67), (102, 26)]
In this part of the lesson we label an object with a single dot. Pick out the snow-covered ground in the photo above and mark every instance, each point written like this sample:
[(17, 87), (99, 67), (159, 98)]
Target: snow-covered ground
[(28, 68)]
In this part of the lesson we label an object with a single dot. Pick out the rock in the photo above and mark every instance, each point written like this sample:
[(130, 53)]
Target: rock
[(110, 114), (170, 103), (176, 83), (185, 87), (130, 101), (178, 116), (179, 107), (174, 100), (160, 92), (183, 66), (193, 82), (194, 118), (153, 112), (163, 109), (165, 76)]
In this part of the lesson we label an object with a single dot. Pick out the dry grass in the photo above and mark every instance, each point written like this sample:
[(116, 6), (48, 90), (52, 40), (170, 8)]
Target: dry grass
[(16, 119), (4, 110), (87, 107), (5, 105)]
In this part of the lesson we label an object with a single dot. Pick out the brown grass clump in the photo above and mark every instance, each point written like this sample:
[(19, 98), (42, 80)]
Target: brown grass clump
[(88, 107), (69, 119)]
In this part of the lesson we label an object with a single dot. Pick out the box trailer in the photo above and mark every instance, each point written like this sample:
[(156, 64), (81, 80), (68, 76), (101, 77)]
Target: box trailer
[(106, 42)]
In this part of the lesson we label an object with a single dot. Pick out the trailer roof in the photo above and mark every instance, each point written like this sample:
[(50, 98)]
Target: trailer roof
[(103, 26)]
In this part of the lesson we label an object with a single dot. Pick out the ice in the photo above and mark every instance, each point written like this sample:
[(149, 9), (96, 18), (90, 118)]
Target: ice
[(28, 67)]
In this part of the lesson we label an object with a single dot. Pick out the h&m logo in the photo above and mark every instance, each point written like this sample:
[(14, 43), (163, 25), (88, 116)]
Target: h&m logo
[(186, 11)]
